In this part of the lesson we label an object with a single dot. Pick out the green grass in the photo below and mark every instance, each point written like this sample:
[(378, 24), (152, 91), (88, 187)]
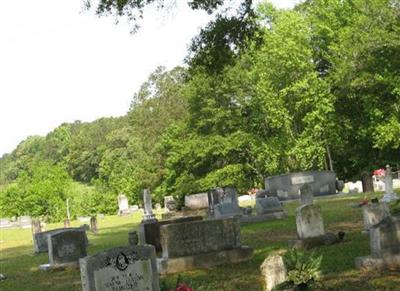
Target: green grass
[(20, 265)]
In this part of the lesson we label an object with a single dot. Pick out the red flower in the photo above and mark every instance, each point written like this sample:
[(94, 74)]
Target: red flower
[(183, 287)]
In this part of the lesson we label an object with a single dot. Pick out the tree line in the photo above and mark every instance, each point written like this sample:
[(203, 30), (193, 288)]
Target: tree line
[(311, 88)]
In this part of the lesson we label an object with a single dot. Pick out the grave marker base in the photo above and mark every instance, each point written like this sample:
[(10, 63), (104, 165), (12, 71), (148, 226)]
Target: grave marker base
[(201, 261), (58, 267), (309, 243), (263, 217), (378, 264)]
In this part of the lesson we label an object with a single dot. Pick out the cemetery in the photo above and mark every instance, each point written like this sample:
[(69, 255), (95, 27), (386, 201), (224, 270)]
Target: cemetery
[(142, 251), (200, 145)]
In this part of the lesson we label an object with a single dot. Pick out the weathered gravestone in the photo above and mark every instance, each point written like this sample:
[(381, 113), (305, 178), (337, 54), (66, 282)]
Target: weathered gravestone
[(36, 226), (273, 271), (201, 244), (310, 228), (123, 205), (384, 245), (148, 210), (268, 205), (66, 247), (124, 268), (40, 242), (196, 201), (373, 214), (170, 203), (306, 195), (309, 221), (389, 195), (223, 202), (93, 224), (149, 231)]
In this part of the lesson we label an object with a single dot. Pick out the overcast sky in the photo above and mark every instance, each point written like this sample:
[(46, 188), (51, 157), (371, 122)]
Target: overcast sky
[(58, 64)]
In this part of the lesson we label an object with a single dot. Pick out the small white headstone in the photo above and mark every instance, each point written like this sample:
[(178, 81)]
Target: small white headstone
[(309, 221)]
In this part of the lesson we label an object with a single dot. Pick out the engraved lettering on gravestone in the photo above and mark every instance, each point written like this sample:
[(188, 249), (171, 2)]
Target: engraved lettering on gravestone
[(302, 180), (124, 272), (66, 250)]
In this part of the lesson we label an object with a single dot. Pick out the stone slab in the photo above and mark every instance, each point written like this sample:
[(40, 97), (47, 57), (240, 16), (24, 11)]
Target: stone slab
[(197, 237), (267, 205), (201, 261), (263, 217), (66, 246), (370, 263), (309, 221), (273, 271), (122, 268), (196, 201), (40, 239)]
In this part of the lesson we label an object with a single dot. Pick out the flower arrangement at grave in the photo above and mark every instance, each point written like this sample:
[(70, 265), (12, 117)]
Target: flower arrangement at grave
[(379, 174)]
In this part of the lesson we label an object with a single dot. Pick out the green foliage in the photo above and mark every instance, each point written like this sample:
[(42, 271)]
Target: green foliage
[(304, 269), (40, 192)]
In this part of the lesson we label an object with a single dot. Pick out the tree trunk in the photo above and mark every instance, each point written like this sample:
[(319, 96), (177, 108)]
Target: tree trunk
[(367, 183), (328, 152)]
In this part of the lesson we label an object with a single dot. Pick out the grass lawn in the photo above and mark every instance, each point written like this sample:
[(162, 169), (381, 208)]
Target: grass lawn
[(20, 265)]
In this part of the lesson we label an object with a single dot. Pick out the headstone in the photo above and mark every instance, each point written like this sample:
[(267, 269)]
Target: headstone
[(158, 206), (223, 202), (123, 205), (169, 203), (226, 210), (367, 182), (384, 245), (25, 221), (268, 205), (66, 247), (273, 271), (148, 211), (374, 213), (36, 226), (354, 187), (196, 201), (389, 194), (309, 221), (40, 238), (84, 218), (306, 195), (201, 244), (124, 268), (101, 216), (133, 238), (93, 224)]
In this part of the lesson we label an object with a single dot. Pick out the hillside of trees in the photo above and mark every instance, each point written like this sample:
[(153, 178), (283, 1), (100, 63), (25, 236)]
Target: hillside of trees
[(314, 87)]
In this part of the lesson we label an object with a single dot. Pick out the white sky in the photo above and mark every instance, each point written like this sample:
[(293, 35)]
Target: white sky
[(60, 65)]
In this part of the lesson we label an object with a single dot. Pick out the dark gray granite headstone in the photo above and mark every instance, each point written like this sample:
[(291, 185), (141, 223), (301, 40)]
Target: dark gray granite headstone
[(66, 246), (198, 237), (40, 239), (268, 205), (123, 268)]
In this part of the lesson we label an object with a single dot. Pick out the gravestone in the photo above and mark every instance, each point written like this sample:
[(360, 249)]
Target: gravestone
[(373, 214), (262, 193), (340, 186), (169, 203), (309, 221), (65, 248), (273, 271), (25, 221), (384, 245), (196, 201), (123, 205), (148, 210), (149, 231), (201, 244), (36, 226), (389, 195), (123, 268), (93, 224), (306, 195), (354, 187), (223, 202), (268, 205), (40, 239), (67, 223)]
